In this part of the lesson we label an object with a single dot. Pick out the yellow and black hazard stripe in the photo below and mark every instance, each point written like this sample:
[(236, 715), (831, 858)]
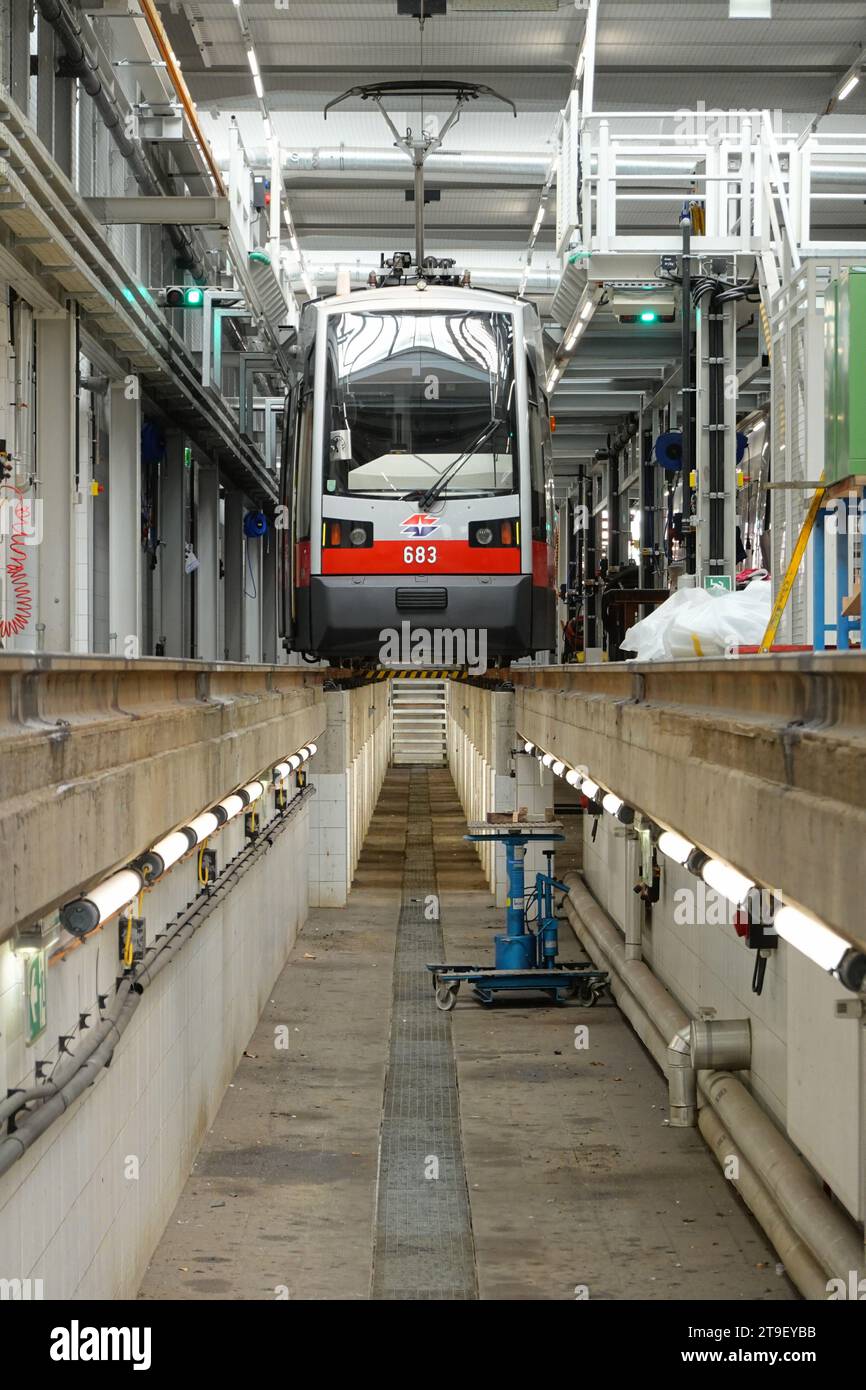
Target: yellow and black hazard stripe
[(385, 674)]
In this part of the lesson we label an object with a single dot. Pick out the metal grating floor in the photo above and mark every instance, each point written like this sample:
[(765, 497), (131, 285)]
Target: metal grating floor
[(423, 1246)]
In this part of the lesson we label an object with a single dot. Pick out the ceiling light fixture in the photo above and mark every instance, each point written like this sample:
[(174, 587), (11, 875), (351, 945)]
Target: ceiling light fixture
[(847, 89)]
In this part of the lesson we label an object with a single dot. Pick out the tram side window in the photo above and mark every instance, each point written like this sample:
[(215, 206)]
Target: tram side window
[(536, 457), (304, 453)]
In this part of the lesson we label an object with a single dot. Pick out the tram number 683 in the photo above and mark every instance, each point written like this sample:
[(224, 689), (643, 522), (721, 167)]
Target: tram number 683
[(419, 555)]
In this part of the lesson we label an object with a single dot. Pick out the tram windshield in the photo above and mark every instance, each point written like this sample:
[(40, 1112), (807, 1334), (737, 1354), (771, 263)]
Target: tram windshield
[(419, 400)]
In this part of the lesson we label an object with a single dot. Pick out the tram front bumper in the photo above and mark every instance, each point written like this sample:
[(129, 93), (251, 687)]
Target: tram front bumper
[(467, 617)]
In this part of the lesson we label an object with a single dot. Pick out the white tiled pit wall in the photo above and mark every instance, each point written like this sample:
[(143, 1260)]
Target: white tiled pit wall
[(482, 787), (807, 1065), (346, 796), (69, 1214)]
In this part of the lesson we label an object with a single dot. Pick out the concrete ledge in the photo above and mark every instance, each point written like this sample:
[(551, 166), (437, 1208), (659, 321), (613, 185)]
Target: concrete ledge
[(100, 756), (761, 760)]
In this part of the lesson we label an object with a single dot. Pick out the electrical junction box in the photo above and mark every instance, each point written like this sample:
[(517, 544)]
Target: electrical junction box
[(845, 376)]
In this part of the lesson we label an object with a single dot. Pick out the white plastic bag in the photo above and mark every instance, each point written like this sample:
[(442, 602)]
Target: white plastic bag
[(700, 622)]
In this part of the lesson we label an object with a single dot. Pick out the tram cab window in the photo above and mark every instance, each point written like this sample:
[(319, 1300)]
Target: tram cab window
[(413, 393)]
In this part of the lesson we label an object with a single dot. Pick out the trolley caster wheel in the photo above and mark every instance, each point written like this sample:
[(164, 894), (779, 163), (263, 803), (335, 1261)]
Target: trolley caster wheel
[(484, 996), (446, 997), (587, 997)]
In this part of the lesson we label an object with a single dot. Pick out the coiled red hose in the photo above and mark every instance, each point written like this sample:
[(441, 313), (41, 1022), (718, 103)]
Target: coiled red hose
[(16, 569)]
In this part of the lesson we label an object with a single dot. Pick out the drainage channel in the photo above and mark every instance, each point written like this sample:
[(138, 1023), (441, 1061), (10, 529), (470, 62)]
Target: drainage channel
[(423, 1247)]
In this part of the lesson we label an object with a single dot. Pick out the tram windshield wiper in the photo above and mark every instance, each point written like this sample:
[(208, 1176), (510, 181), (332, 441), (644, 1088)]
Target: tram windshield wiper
[(434, 492)]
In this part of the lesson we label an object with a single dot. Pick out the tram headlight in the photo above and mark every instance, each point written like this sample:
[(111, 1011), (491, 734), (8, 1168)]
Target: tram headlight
[(337, 533), (506, 533)]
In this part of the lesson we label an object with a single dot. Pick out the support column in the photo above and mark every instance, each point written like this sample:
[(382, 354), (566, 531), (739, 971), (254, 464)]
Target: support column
[(271, 648), (55, 466), (253, 567), (207, 574), (176, 587), (233, 586), (124, 523), (54, 100), (634, 906)]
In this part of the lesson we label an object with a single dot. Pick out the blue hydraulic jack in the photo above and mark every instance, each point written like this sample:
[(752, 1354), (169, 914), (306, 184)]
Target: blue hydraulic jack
[(525, 953)]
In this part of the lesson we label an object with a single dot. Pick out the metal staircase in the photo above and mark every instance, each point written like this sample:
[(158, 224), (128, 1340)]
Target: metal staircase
[(418, 722)]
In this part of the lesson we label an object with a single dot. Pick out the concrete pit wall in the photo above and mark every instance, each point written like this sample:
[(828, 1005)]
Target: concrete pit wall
[(83, 1207), (100, 757), (489, 776), (348, 773), (739, 757)]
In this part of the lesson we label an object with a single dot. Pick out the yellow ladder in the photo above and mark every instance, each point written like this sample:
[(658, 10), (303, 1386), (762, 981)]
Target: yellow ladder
[(791, 573)]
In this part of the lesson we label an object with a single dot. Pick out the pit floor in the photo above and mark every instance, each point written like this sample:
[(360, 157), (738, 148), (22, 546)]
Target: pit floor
[(578, 1188)]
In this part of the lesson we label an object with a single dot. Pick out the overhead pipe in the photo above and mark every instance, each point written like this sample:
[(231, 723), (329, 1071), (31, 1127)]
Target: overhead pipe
[(784, 1191), (85, 67), (538, 282), (342, 160)]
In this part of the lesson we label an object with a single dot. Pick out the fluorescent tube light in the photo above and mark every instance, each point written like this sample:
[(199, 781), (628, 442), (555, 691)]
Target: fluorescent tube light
[(204, 825), (732, 885), (675, 846), (810, 937), (85, 913)]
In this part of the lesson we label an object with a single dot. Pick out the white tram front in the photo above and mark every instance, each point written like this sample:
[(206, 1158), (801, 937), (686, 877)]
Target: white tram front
[(416, 481)]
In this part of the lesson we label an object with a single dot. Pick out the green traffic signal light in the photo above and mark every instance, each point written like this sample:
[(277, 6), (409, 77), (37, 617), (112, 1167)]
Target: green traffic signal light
[(193, 297), (648, 316)]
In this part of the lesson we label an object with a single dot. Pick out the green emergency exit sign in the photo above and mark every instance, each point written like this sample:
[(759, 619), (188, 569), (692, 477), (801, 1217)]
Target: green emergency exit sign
[(718, 581), (35, 999)]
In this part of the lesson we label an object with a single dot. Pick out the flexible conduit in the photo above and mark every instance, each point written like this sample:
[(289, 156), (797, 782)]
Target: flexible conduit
[(81, 1070), (803, 1224)]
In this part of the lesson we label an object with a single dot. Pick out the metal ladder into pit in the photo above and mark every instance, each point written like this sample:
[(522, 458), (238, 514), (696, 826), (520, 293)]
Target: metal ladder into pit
[(418, 722)]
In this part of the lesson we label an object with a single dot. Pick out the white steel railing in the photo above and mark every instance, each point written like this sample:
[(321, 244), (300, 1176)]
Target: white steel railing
[(624, 176)]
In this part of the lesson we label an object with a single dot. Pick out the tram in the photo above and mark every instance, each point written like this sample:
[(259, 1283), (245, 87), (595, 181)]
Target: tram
[(417, 473)]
